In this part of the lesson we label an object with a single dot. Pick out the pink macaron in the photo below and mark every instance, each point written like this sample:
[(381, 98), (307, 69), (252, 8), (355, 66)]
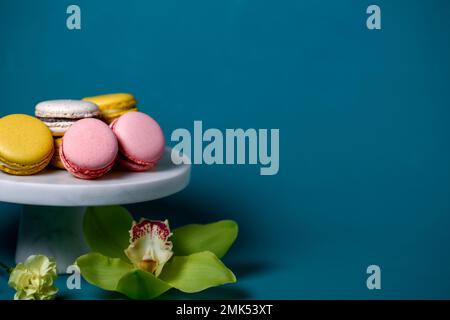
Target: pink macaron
[(89, 149), (141, 141)]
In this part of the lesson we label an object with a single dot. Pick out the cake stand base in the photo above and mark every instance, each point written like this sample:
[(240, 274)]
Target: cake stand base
[(52, 231)]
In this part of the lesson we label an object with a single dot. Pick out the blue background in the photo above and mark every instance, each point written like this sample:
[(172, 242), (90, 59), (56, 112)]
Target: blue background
[(363, 116)]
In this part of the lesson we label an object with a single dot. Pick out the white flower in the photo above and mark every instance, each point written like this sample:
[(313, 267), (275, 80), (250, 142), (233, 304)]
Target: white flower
[(149, 248), (33, 280)]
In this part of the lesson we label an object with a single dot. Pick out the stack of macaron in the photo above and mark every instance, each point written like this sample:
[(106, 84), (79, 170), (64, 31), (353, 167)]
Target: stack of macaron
[(73, 135), (59, 115)]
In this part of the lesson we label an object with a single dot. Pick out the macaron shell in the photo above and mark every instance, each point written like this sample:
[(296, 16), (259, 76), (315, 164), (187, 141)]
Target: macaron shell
[(84, 173), (140, 137), (115, 113), (109, 118), (25, 141), (27, 170), (70, 109), (56, 159), (57, 163), (89, 144), (130, 165), (115, 101)]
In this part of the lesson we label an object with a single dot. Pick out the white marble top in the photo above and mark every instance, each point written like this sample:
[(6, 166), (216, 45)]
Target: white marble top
[(54, 187)]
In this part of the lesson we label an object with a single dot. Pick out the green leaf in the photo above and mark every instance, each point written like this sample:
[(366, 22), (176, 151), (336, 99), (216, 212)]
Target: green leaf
[(196, 272), (102, 271), (141, 285), (215, 237), (106, 230)]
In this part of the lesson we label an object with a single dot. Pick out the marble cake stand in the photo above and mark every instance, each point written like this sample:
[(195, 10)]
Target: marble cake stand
[(54, 203)]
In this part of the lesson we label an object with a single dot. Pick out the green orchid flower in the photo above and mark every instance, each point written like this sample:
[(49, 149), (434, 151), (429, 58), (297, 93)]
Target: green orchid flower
[(143, 260)]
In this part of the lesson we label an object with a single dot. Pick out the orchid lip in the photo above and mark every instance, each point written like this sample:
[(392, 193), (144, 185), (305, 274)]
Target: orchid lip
[(149, 247)]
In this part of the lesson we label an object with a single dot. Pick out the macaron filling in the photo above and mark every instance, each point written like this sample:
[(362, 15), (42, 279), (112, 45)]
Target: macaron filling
[(61, 119)]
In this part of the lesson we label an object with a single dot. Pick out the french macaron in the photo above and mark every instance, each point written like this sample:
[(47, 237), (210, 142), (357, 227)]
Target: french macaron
[(114, 105), (26, 145), (56, 159), (59, 115), (89, 149), (141, 141)]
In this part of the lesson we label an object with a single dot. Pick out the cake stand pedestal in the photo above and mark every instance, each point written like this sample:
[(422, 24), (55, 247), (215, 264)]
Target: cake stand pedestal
[(54, 203)]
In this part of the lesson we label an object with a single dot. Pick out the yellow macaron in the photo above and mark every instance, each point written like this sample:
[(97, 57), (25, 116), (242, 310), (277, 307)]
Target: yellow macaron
[(114, 105), (26, 145), (56, 159)]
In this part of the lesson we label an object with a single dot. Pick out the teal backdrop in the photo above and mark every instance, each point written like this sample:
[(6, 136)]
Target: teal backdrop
[(363, 116)]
